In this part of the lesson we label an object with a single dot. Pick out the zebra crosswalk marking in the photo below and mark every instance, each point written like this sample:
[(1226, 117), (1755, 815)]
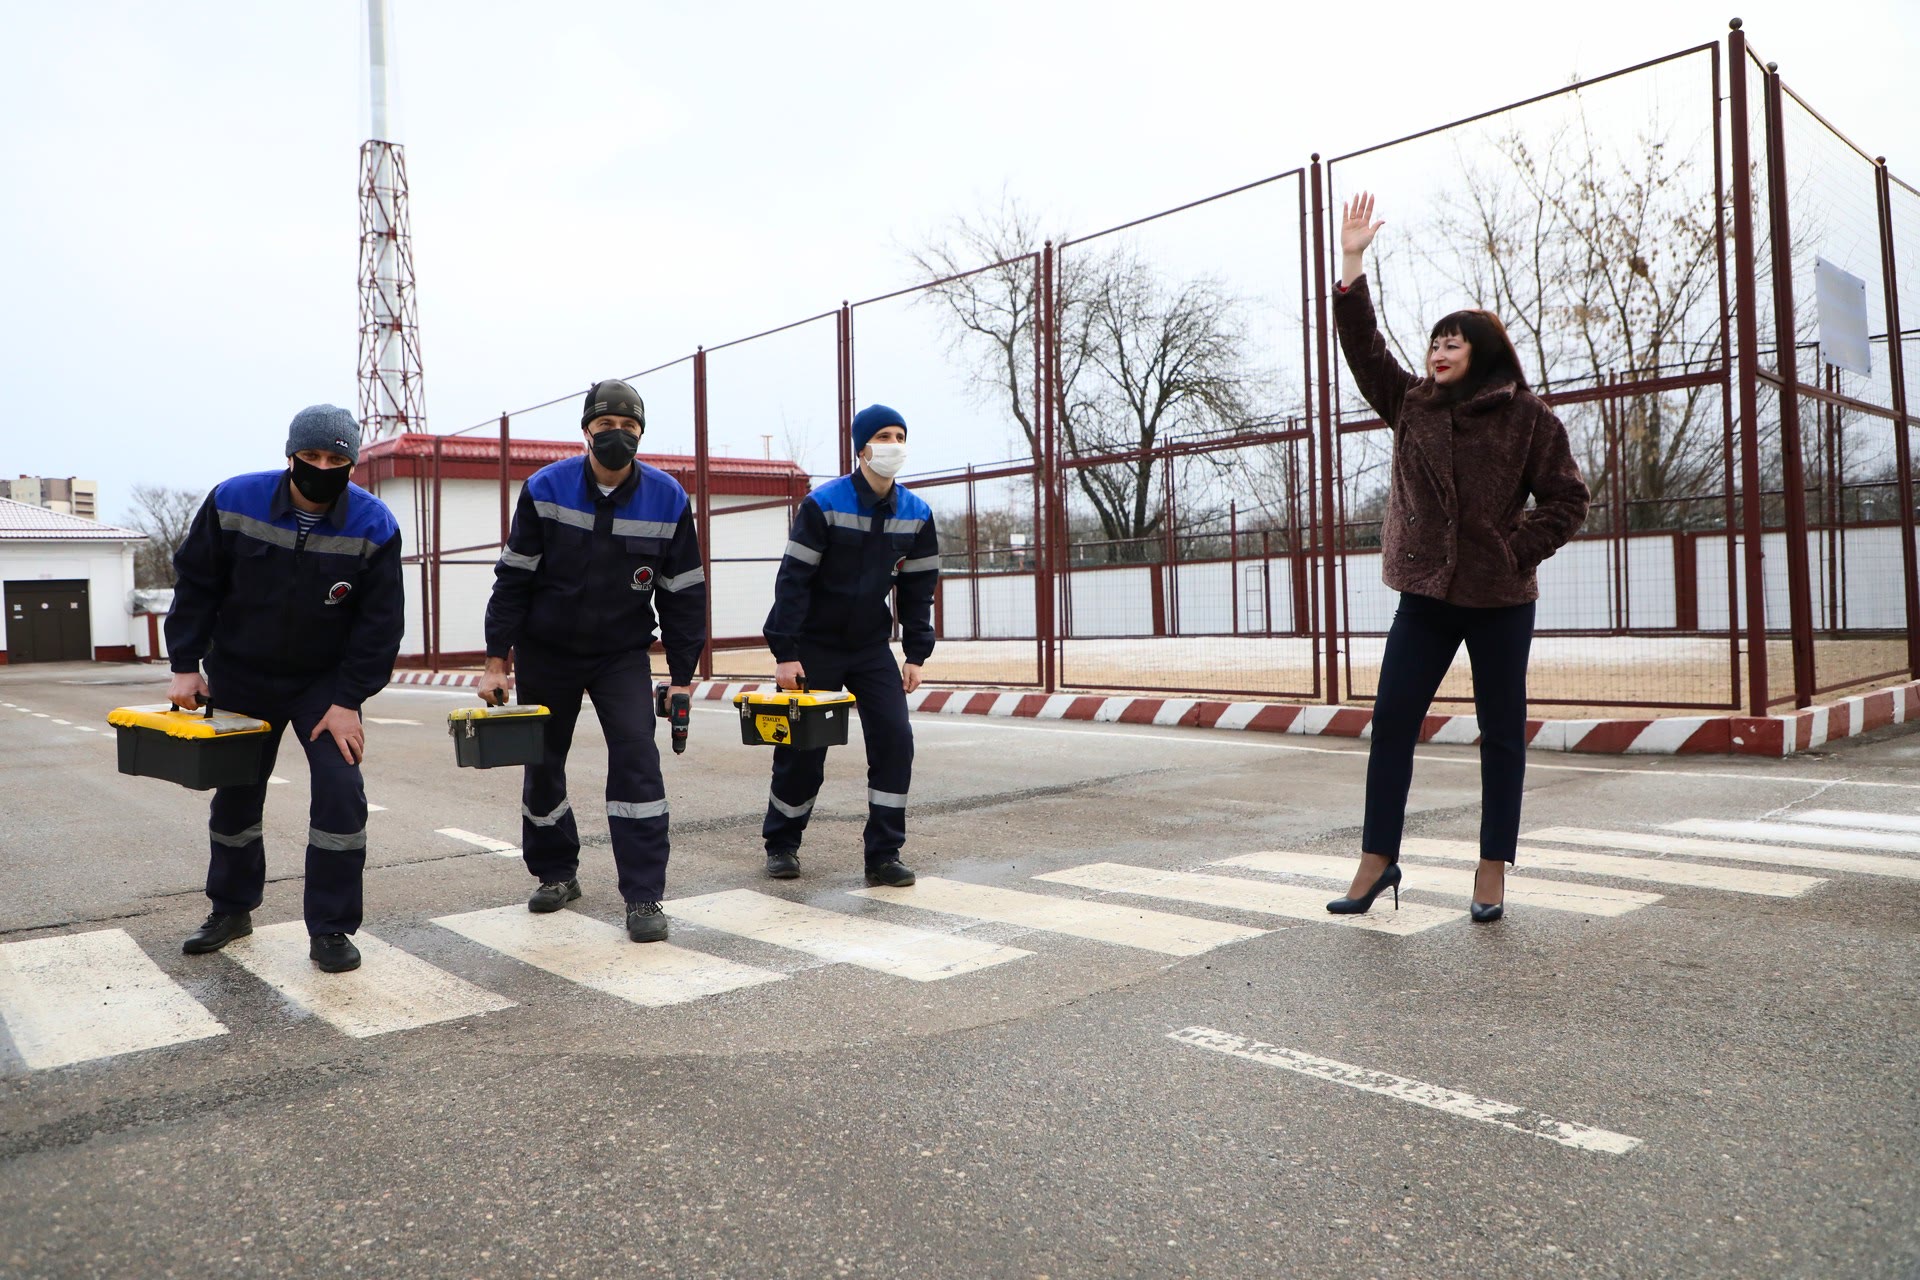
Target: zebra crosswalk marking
[(600, 956), (82, 996), (1168, 934), (394, 990), (1785, 832), (1525, 891), (1238, 894), (1622, 866), (1660, 842), (1907, 822), (919, 954), (488, 843)]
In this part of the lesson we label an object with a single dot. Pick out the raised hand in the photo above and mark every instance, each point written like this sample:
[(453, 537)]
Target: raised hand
[(1357, 227)]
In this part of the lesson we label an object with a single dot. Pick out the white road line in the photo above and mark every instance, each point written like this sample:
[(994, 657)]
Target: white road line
[(1124, 926), (1859, 818), (1865, 864), (392, 990), (41, 715), (83, 996), (488, 843), (1785, 832), (1697, 875), (375, 808), (1553, 895), (86, 728), (919, 954), (389, 720), (1452, 1101), (275, 780), (68, 723), (1236, 894), (599, 955)]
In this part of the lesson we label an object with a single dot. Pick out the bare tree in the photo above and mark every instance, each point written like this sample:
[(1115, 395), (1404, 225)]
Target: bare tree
[(1141, 357), (164, 514)]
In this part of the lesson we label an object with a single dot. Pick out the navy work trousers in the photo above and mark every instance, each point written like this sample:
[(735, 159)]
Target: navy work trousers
[(621, 685), (873, 678), (336, 817), (1425, 635)]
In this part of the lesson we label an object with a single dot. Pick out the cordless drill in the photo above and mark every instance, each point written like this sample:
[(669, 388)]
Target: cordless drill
[(677, 710)]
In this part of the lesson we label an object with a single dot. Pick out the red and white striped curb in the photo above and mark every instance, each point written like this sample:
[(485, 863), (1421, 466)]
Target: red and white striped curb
[(1780, 735)]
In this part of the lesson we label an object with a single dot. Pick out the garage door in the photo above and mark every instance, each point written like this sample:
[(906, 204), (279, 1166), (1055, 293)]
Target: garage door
[(47, 621)]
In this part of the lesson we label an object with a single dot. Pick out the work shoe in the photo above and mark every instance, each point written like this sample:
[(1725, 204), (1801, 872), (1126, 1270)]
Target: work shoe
[(553, 895), (333, 953), (783, 865), (646, 922), (217, 932), (894, 874)]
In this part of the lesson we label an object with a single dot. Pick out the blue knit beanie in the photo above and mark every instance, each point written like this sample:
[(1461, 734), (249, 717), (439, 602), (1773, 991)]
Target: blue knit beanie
[(868, 422), (325, 426)]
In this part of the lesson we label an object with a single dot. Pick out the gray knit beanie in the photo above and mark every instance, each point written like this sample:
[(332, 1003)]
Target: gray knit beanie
[(324, 426)]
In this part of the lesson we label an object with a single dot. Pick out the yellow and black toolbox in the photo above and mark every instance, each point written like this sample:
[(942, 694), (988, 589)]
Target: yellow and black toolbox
[(789, 718), (493, 737), (197, 749)]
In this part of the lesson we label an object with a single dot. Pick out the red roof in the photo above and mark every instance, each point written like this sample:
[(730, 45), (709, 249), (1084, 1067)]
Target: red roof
[(478, 458)]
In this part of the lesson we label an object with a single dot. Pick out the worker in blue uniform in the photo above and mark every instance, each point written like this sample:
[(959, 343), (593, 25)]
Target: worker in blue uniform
[(287, 588), (855, 542), (601, 545)]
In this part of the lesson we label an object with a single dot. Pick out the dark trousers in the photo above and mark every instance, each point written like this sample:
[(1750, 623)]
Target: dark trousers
[(1425, 635), (336, 818), (621, 686), (873, 677)]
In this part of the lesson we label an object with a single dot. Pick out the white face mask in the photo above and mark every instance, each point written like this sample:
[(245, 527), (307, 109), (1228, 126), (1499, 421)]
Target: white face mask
[(887, 459)]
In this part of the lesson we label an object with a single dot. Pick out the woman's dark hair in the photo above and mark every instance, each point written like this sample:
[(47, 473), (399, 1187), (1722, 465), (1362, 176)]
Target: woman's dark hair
[(1493, 359)]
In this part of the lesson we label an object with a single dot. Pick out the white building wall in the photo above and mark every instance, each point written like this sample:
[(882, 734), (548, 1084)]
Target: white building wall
[(107, 568)]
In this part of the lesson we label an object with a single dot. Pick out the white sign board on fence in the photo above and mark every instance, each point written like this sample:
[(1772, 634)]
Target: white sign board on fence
[(1841, 300)]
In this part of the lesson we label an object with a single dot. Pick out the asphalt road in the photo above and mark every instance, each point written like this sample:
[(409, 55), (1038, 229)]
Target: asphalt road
[(1716, 1077)]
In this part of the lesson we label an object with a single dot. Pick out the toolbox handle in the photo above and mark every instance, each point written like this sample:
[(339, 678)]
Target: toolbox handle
[(199, 700)]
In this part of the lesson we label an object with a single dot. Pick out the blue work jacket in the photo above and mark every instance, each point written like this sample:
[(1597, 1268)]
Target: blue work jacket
[(248, 592), (846, 553), (585, 573)]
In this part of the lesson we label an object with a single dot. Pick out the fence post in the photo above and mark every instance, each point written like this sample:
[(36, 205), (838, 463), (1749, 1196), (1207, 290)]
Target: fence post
[(1047, 518), (1747, 375), (506, 482), (1902, 451), (433, 628), (1787, 356), (1328, 527), (703, 498), (846, 388)]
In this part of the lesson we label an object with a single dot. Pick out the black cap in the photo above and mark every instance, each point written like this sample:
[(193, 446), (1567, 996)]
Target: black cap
[(614, 397)]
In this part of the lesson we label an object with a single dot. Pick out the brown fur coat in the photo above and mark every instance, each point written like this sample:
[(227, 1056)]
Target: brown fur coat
[(1458, 527)]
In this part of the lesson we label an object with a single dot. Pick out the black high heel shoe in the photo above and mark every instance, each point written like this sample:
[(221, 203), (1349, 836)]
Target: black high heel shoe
[(1389, 879), (1487, 912)]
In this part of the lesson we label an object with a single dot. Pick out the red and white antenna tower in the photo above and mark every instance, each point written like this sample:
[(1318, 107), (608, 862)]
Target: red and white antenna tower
[(392, 398)]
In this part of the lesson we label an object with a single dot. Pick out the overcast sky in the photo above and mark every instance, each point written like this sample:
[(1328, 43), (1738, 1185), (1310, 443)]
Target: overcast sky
[(599, 187)]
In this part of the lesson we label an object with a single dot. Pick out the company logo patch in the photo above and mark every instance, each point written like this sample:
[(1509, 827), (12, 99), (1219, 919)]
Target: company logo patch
[(898, 565), (338, 592), (643, 578)]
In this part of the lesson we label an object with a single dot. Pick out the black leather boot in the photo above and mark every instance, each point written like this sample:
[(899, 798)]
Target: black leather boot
[(217, 932)]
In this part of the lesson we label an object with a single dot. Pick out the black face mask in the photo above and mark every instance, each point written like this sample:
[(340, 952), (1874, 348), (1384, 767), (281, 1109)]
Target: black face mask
[(320, 484), (615, 449)]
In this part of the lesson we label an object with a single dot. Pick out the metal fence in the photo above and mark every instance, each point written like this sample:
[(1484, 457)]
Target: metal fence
[(1188, 493)]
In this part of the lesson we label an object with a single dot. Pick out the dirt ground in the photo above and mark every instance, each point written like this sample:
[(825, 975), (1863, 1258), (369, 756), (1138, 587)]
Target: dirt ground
[(1586, 676)]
